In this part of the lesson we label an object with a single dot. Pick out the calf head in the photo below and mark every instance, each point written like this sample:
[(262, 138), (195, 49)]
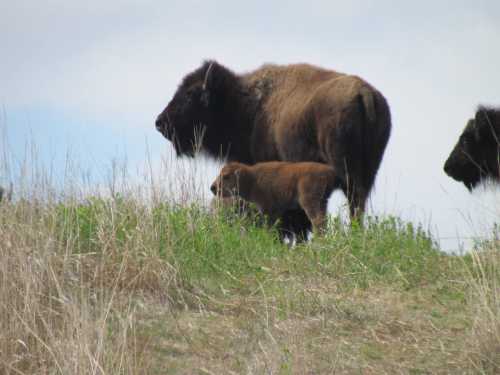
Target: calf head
[(228, 182)]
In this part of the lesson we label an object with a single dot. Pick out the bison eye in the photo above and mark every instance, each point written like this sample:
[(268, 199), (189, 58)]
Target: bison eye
[(191, 93)]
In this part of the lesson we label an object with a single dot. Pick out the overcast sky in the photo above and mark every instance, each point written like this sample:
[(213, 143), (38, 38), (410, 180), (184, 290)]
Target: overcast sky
[(90, 77)]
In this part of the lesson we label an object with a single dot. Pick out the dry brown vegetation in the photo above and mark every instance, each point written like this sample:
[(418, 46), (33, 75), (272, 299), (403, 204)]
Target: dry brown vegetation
[(113, 286), (484, 308)]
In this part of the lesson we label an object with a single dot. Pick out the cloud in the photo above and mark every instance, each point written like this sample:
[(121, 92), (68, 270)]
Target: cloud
[(125, 55)]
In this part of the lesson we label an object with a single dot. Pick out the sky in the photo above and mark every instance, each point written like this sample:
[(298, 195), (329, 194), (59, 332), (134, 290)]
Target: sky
[(87, 79)]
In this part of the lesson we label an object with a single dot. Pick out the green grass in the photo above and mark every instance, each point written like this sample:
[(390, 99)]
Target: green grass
[(225, 248), (182, 289)]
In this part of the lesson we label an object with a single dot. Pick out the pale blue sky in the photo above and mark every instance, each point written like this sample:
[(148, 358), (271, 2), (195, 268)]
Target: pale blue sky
[(90, 77)]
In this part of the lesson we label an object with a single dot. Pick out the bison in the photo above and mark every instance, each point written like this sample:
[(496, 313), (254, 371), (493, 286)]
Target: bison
[(277, 187), (290, 113), (477, 152), (6, 194)]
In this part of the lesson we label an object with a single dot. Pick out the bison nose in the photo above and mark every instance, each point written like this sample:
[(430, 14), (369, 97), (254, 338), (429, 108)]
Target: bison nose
[(158, 124), (213, 189), (447, 167)]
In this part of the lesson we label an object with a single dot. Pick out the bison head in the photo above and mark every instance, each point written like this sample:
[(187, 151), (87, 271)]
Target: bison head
[(194, 118), (475, 156)]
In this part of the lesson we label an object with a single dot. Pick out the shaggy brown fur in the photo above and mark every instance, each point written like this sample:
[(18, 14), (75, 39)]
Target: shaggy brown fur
[(290, 113), (476, 155), (276, 187)]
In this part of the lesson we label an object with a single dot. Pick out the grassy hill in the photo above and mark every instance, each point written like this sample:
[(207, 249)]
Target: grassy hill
[(115, 286)]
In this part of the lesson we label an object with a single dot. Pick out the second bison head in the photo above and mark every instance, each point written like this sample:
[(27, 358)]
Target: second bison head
[(475, 157)]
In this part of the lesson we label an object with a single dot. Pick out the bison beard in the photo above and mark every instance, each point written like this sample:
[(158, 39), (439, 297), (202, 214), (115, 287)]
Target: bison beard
[(476, 155), (290, 113)]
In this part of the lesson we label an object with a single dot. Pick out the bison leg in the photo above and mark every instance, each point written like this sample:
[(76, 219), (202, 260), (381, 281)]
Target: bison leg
[(357, 206), (295, 223), (357, 200)]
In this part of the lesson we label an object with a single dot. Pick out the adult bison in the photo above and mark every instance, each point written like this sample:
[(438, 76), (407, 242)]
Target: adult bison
[(291, 113), (476, 155)]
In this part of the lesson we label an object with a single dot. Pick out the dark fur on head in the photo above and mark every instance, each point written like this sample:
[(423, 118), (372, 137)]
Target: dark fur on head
[(207, 111), (475, 157)]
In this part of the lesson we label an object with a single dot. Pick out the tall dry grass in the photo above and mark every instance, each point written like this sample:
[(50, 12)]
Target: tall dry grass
[(65, 309), (483, 283), (71, 312)]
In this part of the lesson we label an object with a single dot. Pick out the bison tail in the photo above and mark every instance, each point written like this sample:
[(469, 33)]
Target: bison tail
[(369, 104), (373, 143), (375, 133)]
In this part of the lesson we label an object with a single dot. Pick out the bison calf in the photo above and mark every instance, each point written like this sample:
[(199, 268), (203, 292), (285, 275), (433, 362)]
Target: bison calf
[(476, 154), (277, 187)]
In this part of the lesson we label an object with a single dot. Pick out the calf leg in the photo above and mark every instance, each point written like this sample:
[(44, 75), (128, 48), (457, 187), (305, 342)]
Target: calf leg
[(296, 223), (276, 218), (316, 211), (312, 199)]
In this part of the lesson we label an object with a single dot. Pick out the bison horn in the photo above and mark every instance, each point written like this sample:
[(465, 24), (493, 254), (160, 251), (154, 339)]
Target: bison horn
[(205, 81)]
